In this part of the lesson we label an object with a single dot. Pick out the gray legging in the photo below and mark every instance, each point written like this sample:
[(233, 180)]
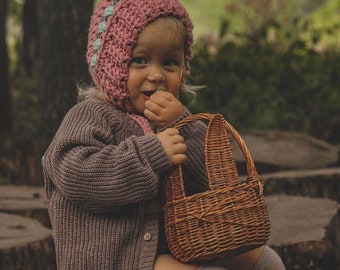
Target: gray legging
[(269, 260)]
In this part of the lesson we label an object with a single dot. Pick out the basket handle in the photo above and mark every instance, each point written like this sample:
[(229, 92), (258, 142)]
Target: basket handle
[(217, 120)]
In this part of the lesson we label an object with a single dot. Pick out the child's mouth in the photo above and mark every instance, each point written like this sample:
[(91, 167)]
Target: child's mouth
[(148, 93)]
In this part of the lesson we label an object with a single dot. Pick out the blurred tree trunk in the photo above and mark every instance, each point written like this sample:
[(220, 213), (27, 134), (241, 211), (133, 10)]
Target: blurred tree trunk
[(30, 40), (5, 99), (63, 40)]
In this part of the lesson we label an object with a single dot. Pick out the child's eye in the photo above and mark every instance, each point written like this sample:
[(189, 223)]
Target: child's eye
[(170, 62), (138, 60)]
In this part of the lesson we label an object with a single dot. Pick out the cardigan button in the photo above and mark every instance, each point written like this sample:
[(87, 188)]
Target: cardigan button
[(147, 236)]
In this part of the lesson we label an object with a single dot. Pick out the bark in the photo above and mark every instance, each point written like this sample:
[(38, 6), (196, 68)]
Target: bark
[(5, 100), (63, 40), (30, 46)]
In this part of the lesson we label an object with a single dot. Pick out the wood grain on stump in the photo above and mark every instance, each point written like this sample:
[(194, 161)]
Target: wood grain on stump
[(274, 151), (305, 231), (25, 244), (26, 201)]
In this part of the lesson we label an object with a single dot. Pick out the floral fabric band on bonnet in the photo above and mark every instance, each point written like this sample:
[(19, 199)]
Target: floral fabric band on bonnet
[(114, 29)]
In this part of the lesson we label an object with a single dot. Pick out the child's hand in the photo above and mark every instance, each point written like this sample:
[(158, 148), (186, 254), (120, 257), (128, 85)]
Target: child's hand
[(163, 108), (173, 144)]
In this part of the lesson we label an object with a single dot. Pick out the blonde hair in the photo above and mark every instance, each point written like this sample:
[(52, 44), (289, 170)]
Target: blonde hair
[(91, 92)]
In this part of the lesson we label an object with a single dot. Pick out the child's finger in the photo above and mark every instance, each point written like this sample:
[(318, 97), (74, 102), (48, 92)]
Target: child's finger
[(150, 115), (178, 159), (153, 106), (173, 131), (162, 98)]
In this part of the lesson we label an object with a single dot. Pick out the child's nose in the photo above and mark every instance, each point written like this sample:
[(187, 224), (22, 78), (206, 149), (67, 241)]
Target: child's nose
[(156, 75)]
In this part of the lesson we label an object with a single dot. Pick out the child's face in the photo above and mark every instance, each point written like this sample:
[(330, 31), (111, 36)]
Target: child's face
[(157, 62)]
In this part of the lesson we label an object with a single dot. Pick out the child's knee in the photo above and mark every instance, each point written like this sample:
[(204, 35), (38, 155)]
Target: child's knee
[(269, 260), (168, 262)]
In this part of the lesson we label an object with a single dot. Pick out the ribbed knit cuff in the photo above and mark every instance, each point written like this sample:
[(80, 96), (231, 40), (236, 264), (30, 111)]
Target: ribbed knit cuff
[(155, 153)]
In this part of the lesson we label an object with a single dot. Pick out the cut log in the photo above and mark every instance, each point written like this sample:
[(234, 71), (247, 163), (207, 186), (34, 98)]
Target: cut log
[(25, 244), (322, 183), (274, 151), (26, 201), (305, 231)]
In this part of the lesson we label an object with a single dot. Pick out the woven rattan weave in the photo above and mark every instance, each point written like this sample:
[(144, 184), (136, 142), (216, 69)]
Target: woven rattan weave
[(226, 220)]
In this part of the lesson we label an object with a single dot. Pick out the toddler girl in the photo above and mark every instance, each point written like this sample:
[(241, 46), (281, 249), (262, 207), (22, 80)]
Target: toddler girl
[(105, 169)]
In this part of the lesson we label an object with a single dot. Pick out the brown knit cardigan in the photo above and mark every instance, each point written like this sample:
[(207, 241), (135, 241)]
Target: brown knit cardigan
[(103, 178)]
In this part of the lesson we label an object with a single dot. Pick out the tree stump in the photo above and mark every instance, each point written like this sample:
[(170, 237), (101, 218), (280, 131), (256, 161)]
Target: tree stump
[(274, 151), (321, 183), (25, 244), (305, 231), (26, 201)]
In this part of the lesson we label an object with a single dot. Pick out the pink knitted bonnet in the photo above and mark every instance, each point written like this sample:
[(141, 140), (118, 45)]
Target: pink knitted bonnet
[(115, 26)]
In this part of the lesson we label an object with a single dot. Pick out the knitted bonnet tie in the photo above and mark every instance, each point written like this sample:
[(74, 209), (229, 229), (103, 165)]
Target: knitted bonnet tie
[(113, 33)]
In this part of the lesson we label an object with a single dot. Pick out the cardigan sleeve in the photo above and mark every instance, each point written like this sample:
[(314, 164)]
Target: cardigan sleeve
[(91, 163)]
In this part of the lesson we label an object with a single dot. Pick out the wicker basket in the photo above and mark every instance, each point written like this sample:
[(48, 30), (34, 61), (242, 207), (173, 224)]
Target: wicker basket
[(226, 220)]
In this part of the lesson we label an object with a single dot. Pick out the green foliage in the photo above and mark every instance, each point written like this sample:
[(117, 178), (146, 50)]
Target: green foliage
[(15, 9), (325, 24), (14, 33), (205, 15), (271, 77)]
